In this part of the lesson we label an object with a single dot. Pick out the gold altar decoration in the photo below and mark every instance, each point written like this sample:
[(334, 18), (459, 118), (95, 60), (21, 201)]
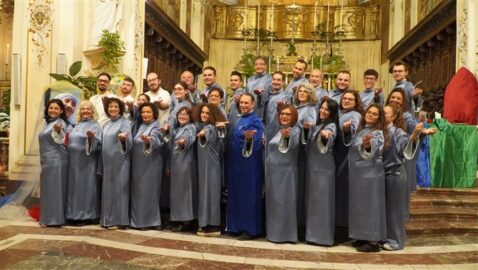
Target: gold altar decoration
[(359, 22)]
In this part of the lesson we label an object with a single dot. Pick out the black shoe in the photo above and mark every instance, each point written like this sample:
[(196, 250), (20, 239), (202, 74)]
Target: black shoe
[(244, 237), (358, 243), (159, 228), (177, 228), (369, 247)]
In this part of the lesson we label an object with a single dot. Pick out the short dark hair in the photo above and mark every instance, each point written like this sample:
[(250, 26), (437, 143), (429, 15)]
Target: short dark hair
[(344, 71), (399, 63), (280, 73), (104, 74), (333, 116), (217, 89), (153, 107), (118, 101), (210, 68), (146, 96), (404, 97), (236, 73), (371, 72), (358, 101), (249, 95), (60, 104), (129, 79), (259, 57), (303, 62), (188, 110)]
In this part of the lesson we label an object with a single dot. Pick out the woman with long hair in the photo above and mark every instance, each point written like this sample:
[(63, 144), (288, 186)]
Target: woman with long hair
[(320, 176), (54, 165), (367, 216)]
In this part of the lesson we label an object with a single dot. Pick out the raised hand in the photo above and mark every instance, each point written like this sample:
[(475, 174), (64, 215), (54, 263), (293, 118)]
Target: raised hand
[(326, 134), (307, 125), (285, 132), (221, 125), (202, 133), (180, 142), (366, 141), (90, 135), (146, 139), (346, 126), (122, 136), (258, 92), (57, 128), (249, 134)]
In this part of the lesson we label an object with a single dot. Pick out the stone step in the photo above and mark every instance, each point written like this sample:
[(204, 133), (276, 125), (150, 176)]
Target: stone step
[(421, 191), (442, 227), (444, 201), (444, 213)]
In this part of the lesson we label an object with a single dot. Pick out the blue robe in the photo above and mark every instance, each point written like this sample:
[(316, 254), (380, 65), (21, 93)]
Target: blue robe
[(116, 163), (245, 178), (54, 173), (281, 187), (84, 185), (146, 174)]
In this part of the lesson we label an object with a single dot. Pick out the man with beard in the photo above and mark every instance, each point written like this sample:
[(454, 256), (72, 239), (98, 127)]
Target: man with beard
[(342, 83), (315, 80), (298, 72), (158, 96), (209, 79), (125, 90), (103, 83), (259, 85)]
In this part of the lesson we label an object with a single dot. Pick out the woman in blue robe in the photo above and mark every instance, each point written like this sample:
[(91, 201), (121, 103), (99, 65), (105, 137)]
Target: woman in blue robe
[(54, 165), (281, 178), (209, 158), (245, 173), (305, 101), (183, 189), (146, 171), (320, 176), (115, 166), (84, 185), (367, 216), (349, 119)]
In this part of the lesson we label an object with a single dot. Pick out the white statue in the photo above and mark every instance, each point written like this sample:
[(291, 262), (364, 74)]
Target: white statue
[(107, 14)]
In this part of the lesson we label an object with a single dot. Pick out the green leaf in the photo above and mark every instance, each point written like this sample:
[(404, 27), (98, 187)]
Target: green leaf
[(75, 68), (60, 77)]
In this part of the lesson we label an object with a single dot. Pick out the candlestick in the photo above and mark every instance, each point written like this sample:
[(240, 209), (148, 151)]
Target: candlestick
[(341, 10), (315, 14), (328, 17)]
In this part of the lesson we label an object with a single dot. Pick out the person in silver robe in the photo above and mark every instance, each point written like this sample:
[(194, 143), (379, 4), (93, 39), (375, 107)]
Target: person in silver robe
[(298, 73), (115, 166), (233, 113), (209, 158), (370, 94), (276, 97), (84, 185), (367, 216), (342, 83), (401, 147), (281, 178), (54, 165), (259, 85), (305, 101), (320, 177), (349, 119), (183, 170), (146, 172)]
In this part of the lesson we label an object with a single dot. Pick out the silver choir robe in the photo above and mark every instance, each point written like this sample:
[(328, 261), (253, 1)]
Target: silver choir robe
[(116, 163), (183, 187), (84, 185), (209, 157), (281, 187), (146, 177), (306, 114), (367, 217), (320, 188), (271, 118), (341, 152), (396, 184), (263, 82), (54, 174)]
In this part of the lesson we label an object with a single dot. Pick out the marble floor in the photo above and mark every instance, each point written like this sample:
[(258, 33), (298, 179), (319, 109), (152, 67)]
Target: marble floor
[(25, 245)]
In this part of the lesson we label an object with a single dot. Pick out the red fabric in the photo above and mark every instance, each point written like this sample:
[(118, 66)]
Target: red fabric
[(461, 98), (34, 212)]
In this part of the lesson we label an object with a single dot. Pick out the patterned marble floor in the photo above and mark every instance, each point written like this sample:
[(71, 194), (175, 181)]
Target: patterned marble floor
[(24, 245)]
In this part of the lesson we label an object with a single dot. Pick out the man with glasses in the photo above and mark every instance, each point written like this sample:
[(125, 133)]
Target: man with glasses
[(342, 83), (103, 84), (371, 95), (400, 73), (158, 96)]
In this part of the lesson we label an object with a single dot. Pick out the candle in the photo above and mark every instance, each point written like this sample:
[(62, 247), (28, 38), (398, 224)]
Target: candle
[(7, 57), (328, 17), (258, 27), (315, 14), (272, 18), (247, 15), (341, 10)]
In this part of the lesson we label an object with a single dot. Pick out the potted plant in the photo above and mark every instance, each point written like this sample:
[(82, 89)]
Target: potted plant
[(113, 49), (86, 83)]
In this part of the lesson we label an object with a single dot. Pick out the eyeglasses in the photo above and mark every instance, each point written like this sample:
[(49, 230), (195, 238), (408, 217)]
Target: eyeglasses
[(103, 81), (285, 114), (183, 114), (216, 96), (152, 80)]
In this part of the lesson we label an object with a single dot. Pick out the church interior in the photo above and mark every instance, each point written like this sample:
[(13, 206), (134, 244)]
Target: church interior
[(438, 39)]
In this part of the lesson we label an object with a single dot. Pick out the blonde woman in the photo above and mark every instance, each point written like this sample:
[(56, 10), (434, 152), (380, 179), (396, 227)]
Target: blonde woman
[(84, 144)]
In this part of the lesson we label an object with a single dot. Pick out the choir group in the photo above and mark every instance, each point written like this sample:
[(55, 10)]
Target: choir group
[(309, 158)]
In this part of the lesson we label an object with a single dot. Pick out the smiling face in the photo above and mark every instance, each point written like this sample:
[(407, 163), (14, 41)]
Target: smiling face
[(141, 99), (277, 82), (54, 110), (153, 82), (113, 109), (86, 112), (315, 78), (214, 97), (183, 117), (147, 114), (103, 83), (399, 72), (324, 112), (208, 77), (69, 106), (299, 70), (303, 95), (205, 114), (245, 104), (396, 98), (126, 88), (259, 66), (371, 116), (342, 82), (348, 101), (187, 77), (285, 117), (180, 92), (369, 81), (235, 82)]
